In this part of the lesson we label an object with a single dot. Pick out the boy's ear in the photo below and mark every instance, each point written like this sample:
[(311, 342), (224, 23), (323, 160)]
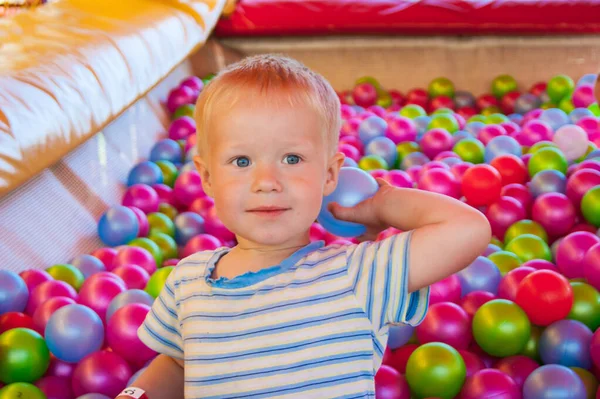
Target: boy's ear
[(333, 172), (200, 164)]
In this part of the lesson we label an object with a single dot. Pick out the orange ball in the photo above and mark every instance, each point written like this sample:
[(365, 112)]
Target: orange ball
[(546, 296)]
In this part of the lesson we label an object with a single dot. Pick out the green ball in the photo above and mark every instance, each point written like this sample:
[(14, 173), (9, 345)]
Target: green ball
[(505, 261), (169, 172), (67, 273), (590, 206), (150, 246), (405, 148), (161, 223), (442, 110), (528, 247), (370, 80), (436, 370), (496, 119), (168, 210), (21, 390), (412, 111), (443, 121), (384, 100), (586, 305), (503, 84), (566, 104), (157, 281), (489, 111), (470, 150), (548, 106), (501, 328), (184, 110), (372, 162), (595, 108), (532, 347), (24, 356), (166, 243), (477, 118), (547, 158), (441, 87), (525, 226), (559, 87), (539, 145)]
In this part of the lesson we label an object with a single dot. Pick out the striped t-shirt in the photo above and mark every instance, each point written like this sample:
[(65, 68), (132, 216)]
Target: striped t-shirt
[(314, 326)]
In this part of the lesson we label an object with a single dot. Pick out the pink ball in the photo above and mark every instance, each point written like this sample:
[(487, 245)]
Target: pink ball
[(583, 96), (350, 127), (517, 367), (390, 384), (377, 110), (535, 131), (47, 290), (580, 183), (378, 173), (34, 277), (165, 193), (459, 170), (135, 256), (46, 309), (440, 181), (472, 362), (214, 226), (446, 154), (503, 213), (121, 333), (474, 300), (488, 132), (555, 212), (490, 383), (520, 193), (190, 142), (347, 111), (583, 227), (448, 323), (188, 187), (350, 152), (141, 196), (571, 251), (106, 275), (101, 372), (134, 276), (181, 128), (353, 141), (97, 294), (400, 129), (179, 96), (595, 348), (510, 127), (541, 264), (434, 165), (55, 387), (202, 205), (60, 368), (171, 262), (142, 221), (590, 124), (591, 266), (589, 164), (446, 290), (414, 172), (399, 178), (507, 289), (201, 242), (194, 83), (435, 141), (106, 256), (317, 232)]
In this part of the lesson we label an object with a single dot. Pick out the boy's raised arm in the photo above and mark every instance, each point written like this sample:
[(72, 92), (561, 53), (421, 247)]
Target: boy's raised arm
[(163, 379)]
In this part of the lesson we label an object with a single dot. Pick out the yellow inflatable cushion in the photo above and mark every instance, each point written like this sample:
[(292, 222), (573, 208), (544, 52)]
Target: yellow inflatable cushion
[(69, 68)]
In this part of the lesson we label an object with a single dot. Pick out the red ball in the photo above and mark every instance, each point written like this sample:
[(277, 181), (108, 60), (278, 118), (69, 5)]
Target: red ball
[(467, 112), (11, 320), (545, 296), (580, 183), (364, 95), (507, 289), (490, 383), (517, 367), (417, 96), (503, 213), (520, 193), (441, 102), (481, 185), (472, 362), (446, 290), (397, 358), (448, 323), (487, 100), (512, 169), (508, 102), (390, 384), (474, 300), (538, 88), (555, 212), (397, 97), (571, 251)]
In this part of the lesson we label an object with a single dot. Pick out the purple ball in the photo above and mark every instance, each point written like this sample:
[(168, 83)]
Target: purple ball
[(414, 159), (554, 381), (481, 275), (146, 172), (566, 342), (490, 383), (88, 264), (179, 96), (534, 131), (101, 372), (187, 225), (166, 150), (143, 197), (548, 181), (13, 292), (118, 226), (384, 147), (373, 126), (399, 335), (401, 129)]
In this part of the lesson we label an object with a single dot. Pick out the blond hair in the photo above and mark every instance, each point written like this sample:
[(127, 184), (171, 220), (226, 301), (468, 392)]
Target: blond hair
[(274, 81)]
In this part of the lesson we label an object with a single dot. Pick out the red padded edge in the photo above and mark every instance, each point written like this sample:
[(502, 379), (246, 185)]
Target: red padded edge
[(322, 17)]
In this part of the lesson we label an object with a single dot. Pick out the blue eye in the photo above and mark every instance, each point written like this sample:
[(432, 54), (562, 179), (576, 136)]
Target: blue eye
[(242, 162), (292, 159)]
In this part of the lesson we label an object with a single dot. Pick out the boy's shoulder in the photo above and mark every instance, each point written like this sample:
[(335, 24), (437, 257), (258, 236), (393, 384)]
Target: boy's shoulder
[(194, 266)]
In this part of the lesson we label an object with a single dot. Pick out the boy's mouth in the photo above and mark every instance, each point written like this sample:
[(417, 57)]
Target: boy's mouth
[(268, 210)]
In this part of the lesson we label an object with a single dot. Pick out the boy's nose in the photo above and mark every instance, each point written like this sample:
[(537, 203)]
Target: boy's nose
[(266, 179)]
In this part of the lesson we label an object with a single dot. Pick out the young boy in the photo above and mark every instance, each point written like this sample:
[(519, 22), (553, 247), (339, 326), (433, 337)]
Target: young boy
[(278, 316)]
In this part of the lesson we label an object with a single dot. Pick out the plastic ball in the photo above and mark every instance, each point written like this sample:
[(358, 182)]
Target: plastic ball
[(435, 141), (589, 381), (88, 265), (490, 383), (545, 296), (470, 150), (97, 294), (504, 213), (472, 362), (571, 252), (166, 149), (528, 247), (559, 86), (586, 305), (525, 226), (401, 129), (580, 182), (101, 372), (517, 367), (170, 173), (520, 193), (13, 292), (446, 290), (555, 118), (503, 84), (143, 197), (67, 273), (121, 333), (365, 94), (481, 275), (47, 290), (507, 289), (383, 147), (566, 342), (591, 266), (184, 110), (126, 298), (443, 121), (555, 212), (128, 255), (11, 320), (501, 328), (501, 145), (512, 169), (157, 281), (534, 131), (24, 356), (505, 261), (448, 323), (373, 126), (151, 247), (179, 96), (390, 384), (474, 300), (134, 276), (590, 206), (161, 223), (106, 255), (481, 185), (414, 159), (46, 310), (526, 102), (181, 128), (399, 335), (548, 181), (441, 87), (435, 370), (21, 390), (188, 225), (548, 158), (200, 242), (145, 172), (188, 187), (572, 140), (440, 181), (118, 226)]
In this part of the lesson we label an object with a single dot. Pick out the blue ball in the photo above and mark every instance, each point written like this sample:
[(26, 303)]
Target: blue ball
[(451, 161), (118, 226), (422, 123), (13, 292), (555, 117), (548, 181), (73, 332), (481, 275), (187, 225), (501, 145), (553, 381), (384, 147), (399, 335), (88, 265), (350, 163), (516, 118), (146, 172), (461, 135), (370, 128), (188, 166), (566, 342), (588, 79), (474, 127), (414, 159), (578, 114), (166, 150), (354, 186), (594, 154), (126, 298)]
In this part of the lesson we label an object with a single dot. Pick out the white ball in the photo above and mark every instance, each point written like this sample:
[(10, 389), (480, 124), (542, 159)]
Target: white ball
[(572, 140)]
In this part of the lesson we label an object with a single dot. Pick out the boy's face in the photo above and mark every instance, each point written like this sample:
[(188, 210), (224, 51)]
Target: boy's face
[(267, 169)]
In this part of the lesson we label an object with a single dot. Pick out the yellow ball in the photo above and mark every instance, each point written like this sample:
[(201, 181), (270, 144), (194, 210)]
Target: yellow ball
[(525, 226), (372, 162), (505, 261)]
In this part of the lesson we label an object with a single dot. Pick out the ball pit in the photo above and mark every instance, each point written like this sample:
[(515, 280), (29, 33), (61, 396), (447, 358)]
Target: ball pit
[(509, 324)]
